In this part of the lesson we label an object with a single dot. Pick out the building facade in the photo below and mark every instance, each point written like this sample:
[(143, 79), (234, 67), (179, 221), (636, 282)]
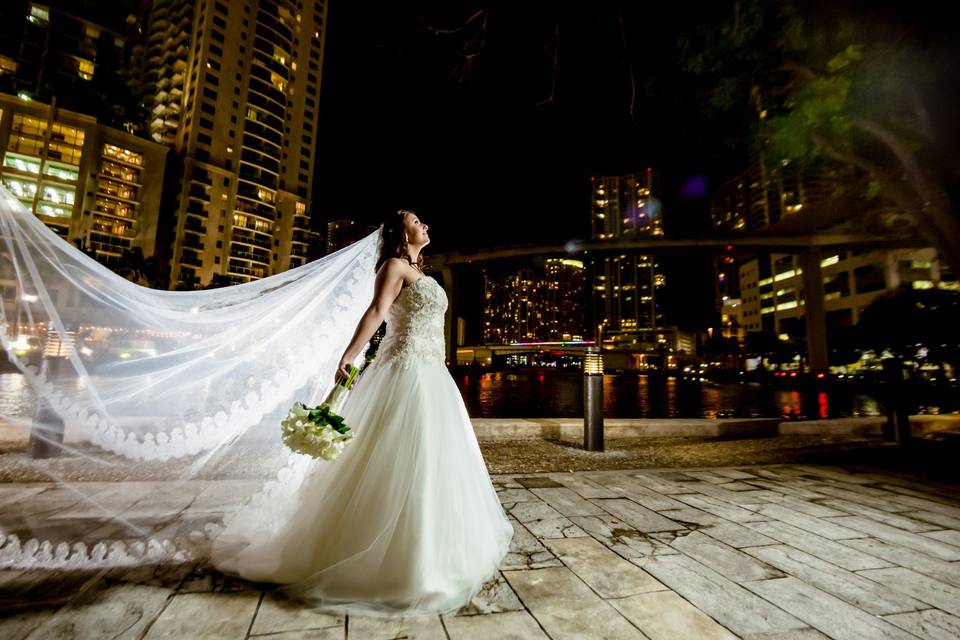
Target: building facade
[(93, 185), (626, 287), (233, 89)]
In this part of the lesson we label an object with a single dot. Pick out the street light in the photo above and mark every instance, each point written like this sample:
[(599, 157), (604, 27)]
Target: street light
[(593, 399)]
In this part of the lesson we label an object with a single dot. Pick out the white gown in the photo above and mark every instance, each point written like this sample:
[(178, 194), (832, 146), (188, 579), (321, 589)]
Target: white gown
[(405, 521)]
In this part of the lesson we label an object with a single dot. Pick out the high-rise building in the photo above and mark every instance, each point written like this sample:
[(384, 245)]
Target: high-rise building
[(626, 207), (534, 304), (626, 287), (233, 88), (773, 296), (92, 184), (78, 51), (345, 231), (564, 303)]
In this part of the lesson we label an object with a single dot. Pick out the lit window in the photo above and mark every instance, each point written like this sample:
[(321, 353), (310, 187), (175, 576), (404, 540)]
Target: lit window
[(8, 66), (39, 15)]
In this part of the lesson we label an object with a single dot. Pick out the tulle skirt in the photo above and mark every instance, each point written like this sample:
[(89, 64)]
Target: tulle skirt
[(404, 522)]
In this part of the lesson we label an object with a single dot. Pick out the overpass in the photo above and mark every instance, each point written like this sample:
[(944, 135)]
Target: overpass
[(753, 243)]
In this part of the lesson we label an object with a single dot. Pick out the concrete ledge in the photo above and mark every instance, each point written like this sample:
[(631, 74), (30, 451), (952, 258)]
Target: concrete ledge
[(729, 428)]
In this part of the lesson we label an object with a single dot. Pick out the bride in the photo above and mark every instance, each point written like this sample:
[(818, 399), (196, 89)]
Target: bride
[(405, 521), (158, 436)]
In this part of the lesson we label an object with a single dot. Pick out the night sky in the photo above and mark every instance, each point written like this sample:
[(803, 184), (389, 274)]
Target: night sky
[(486, 156)]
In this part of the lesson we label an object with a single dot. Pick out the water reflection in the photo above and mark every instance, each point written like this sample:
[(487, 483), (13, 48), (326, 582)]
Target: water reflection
[(533, 395)]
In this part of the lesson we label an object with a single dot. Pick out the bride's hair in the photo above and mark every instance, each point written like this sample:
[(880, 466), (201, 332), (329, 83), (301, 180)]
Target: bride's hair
[(394, 237)]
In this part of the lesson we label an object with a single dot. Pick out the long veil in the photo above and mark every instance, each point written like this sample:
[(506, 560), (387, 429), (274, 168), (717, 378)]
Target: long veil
[(133, 421)]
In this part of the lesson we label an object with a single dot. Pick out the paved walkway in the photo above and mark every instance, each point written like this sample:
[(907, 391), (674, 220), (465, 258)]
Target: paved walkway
[(753, 552)]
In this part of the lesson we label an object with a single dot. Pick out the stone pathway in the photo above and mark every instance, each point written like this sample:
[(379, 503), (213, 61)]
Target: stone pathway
[(787, 551)]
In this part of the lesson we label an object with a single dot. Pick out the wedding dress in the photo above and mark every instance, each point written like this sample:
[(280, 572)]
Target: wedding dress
[(156, 436), (405, 520)]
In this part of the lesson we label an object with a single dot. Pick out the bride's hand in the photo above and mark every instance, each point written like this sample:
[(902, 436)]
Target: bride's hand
[(342, 368)]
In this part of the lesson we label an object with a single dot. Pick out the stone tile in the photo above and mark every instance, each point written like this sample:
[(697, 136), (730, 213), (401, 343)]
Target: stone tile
[(656, 482), (504, 482), (737, 535), (824, 612), (568, 502), (726, 560), (735, 474), (604, 571), (692, 518), (949, 536), (942, 570), (796, 634), (663, 615), (737, 498), (516, 495), (849, 587), (860, 496), (555, 528), (206, 615), (169, 576), (933, 592), (428, 627), (898, 536), (19, 624), (19, 493), (621, 537), (839, 554), (626, 485), (119, 612), (807, 507), (920, 500), (898, 520), (830, 529), (787, 489), (529, 511), (720, 508), (537, 482), (514, 625), (933, 517), (495, 596), (706, 476), (726, 602), (526, 552), (327, 633), (931, 624), (566, 608), (207, 579), (277, 615), (41, 588), (585, 487), (833, 473), (639, 517)]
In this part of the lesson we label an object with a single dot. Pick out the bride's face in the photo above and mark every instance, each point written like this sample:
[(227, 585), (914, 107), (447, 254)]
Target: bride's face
[(416, 231)]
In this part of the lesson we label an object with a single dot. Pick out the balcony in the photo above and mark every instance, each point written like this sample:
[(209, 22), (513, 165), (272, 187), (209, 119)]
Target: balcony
[(238, 252)]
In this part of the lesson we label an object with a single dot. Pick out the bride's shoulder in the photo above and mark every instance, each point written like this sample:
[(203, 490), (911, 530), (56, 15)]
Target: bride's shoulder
[(393, 266)]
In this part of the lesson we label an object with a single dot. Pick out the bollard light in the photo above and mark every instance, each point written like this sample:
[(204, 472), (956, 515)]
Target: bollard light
[(593, 362), (593, 399)]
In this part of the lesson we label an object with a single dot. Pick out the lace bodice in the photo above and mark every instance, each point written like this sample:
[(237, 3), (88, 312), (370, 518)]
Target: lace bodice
[(415, 325)]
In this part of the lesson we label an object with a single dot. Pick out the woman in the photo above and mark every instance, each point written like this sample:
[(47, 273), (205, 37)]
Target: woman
[(406, 520)]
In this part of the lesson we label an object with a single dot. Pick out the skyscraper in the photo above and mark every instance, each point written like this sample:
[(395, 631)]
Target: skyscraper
[(534, 304), (626, 286), (77, 51), (233, 89), (92, 184)]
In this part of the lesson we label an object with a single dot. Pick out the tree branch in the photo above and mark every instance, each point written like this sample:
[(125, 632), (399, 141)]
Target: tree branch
[(556, 65)]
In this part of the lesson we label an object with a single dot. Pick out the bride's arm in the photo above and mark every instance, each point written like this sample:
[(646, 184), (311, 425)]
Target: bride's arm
[(386, 289)]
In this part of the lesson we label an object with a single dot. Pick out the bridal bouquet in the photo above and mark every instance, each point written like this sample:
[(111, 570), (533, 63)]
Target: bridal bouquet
[(320, 432)]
